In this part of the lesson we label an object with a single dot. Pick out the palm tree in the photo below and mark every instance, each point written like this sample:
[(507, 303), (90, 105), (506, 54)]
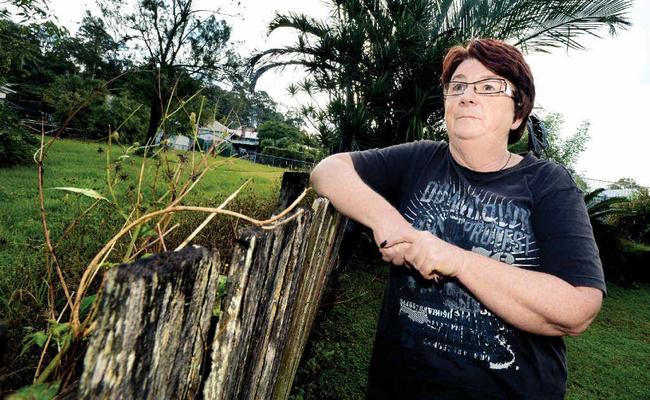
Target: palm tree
[(378, 62)]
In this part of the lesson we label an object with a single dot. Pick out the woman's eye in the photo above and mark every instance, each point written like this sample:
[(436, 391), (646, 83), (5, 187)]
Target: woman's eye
[(488, 87), (457, 87)]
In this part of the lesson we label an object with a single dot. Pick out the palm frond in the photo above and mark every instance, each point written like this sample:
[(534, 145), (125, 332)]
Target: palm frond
[(564, 23), (590, 196), (379, 61), (303, 23)]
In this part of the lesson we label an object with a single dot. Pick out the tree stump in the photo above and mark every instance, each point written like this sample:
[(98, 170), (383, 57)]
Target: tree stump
[(293, 184)]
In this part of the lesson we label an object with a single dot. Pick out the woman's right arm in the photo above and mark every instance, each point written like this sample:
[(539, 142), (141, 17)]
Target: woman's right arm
[(336, 179)]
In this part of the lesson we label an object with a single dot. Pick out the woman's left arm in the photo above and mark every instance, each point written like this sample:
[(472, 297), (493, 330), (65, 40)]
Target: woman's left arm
[(532, 301)]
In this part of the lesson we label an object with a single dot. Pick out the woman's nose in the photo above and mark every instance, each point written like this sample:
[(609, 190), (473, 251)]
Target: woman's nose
[(468, 96)]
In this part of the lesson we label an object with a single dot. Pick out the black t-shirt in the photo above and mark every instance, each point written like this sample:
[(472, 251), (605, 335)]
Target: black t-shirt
[(435, 340)]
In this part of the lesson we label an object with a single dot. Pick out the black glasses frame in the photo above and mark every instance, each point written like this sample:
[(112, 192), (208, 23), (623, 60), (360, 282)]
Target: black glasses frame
[(507, 90)]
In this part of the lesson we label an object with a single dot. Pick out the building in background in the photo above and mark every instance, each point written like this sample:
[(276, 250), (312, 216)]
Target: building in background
[(4, 91)]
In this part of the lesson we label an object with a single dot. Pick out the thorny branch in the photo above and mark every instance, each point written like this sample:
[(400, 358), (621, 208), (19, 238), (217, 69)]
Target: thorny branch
[(95, 264), (46, 232)]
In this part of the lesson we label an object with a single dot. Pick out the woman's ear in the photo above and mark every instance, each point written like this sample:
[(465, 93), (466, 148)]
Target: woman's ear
[(516, 123)]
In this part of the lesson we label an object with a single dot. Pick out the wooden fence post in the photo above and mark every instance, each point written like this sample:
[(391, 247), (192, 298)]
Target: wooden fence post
[(277, 279), (152, 328), (321, 257), (293, 184), (157, 335)]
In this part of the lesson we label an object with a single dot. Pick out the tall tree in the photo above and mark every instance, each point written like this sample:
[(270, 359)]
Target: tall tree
[(174, 40), (379, 61), (95, 50), (565, 150), (24, 9), (32, 56)]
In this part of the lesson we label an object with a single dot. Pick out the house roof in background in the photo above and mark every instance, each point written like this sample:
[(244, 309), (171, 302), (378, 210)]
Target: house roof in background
[(217, 127)]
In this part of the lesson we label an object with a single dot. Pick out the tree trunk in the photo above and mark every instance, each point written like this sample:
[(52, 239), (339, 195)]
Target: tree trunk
[(155, 116)]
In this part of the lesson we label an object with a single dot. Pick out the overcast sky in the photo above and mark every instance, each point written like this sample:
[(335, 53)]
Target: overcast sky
[(608, 84)]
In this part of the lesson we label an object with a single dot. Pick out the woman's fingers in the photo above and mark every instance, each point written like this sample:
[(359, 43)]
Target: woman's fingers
[(423, 251), (394, 254), (401, 238), (421, 255)]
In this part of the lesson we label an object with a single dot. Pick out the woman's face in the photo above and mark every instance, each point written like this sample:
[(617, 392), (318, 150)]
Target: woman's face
[(475, 116)]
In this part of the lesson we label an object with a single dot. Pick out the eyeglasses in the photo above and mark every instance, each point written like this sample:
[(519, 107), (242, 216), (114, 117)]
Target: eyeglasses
[(490, 86)]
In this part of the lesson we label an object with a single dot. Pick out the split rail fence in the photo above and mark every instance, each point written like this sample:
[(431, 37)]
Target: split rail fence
[(186, 324)]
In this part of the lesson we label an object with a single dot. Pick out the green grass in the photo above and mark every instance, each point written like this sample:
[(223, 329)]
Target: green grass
[(611, 360), (71, 163), (75, 164), (335, 362)]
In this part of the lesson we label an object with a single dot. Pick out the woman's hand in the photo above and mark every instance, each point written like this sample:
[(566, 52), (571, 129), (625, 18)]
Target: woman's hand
[(425, 252)]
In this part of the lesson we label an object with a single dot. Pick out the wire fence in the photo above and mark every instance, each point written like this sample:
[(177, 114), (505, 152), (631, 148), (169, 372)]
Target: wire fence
[(600, 183), (276, 161)]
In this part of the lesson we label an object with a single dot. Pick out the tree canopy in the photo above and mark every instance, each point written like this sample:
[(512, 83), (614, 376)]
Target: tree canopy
[(625, 183), (379, 62), (117, 69), (174, 41)]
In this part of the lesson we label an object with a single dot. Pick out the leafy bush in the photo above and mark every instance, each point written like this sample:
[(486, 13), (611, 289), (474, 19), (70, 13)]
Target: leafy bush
[(608, 238), (282, 152), (101, 109), (276, 130), (284, 142), (17, 146), (267, 142), (619, 226), (335, 362), (279, 134), (635, 220)]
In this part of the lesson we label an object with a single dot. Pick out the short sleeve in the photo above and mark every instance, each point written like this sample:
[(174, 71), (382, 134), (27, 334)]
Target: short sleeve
[(386, 170), (566, 239)]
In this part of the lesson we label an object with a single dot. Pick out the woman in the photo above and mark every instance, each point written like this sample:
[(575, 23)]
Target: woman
[(497, 255)]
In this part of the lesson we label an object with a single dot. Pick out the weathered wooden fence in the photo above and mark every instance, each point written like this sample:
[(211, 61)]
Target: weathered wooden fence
[(184, 325)]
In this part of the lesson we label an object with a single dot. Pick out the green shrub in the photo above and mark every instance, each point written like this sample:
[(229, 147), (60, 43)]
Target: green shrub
[(635, 220), (101, 109), (276, 130), (267, 142), (282, 152), (17, 146), (335, 362)]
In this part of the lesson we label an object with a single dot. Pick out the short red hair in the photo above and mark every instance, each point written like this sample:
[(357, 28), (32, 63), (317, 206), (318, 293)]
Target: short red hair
[(504, 60)]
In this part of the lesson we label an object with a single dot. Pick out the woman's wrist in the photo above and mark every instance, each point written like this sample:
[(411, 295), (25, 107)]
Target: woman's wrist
[(460, 260), (388, 226)]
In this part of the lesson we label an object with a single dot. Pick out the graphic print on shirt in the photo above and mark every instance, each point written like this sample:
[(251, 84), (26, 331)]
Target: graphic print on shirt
[(445, 316)]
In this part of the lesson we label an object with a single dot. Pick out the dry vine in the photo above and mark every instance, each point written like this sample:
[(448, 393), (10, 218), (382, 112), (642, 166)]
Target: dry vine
[(94, 266)]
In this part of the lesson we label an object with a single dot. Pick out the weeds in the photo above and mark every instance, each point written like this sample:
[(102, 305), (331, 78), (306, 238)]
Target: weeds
[(144, 209)]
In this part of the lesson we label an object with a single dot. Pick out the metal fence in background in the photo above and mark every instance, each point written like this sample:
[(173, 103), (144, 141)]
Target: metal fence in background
[(276, 161), (600, 183)]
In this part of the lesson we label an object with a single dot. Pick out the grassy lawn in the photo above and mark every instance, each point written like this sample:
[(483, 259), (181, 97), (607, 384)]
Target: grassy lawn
[(609, 361), (70, 163), (75, 164)]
